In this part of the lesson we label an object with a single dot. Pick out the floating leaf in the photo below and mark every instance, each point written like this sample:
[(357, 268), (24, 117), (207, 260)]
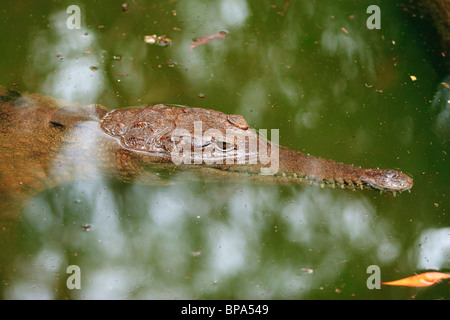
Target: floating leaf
[(161, 41), (419, 280), (203, 40)]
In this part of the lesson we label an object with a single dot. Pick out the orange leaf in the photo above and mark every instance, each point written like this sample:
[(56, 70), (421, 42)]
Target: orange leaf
[(419, 280)]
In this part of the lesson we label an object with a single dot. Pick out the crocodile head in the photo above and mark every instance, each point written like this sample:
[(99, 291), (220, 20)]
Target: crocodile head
[(389, 180), (212, 139), (185, 135)]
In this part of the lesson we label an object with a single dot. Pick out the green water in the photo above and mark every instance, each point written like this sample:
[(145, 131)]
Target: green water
[(311, 69)]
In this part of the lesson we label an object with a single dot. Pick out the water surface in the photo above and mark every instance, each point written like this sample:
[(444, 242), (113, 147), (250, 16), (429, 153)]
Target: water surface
[(311, 69)]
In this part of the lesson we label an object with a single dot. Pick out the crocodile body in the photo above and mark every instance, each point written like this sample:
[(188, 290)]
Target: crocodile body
[(44, 143)]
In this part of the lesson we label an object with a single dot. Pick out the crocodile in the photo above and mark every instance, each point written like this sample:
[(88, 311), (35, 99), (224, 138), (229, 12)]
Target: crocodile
[(44, 142)]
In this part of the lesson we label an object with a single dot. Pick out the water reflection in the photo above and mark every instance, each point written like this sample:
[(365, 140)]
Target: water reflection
[(441, 108), (200, 239), (72, 55), (434, 250), (172, 243)]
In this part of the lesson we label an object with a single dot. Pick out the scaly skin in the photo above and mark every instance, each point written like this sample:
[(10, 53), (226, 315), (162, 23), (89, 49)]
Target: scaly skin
[(149, 130), (43, 143)]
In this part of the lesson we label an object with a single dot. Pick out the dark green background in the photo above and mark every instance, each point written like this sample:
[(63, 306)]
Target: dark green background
[(288, 65)]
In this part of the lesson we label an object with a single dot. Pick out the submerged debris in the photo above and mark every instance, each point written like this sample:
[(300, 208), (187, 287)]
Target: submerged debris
[(87, 227), (203, 40), (171, 64), (161, 41)]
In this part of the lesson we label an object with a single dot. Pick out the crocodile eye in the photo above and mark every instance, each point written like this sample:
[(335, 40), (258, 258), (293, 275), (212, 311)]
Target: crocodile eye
[(238, 121), (225, 146)]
